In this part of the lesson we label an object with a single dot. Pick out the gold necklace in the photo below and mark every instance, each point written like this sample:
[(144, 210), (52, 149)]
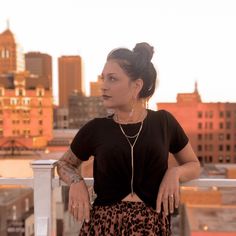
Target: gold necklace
[(116, 118), (132, 151)]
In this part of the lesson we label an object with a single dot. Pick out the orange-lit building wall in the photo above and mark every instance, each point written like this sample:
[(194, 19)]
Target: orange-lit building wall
[(26, 115), (95, 88), (211, 127), (8, 61), (70, 78)]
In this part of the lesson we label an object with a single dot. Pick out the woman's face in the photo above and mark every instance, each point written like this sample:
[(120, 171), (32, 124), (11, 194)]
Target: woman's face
[(118, 90)]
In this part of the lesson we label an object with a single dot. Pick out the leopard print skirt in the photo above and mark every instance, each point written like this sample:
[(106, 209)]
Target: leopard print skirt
[(126, 219)]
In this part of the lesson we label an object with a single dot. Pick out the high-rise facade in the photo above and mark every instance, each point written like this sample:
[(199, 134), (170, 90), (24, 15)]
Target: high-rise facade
[(11, 55), (211, 127), (95, 88), (70, 78), (40, 67), (26, 105)]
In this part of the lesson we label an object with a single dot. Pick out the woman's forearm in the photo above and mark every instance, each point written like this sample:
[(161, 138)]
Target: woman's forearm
[(188, 171), (68, 167)]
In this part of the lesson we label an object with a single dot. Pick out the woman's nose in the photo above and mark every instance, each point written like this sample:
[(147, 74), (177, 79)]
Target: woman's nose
[(103, 85)]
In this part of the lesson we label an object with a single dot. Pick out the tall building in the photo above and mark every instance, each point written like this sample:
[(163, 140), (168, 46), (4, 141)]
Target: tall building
[(25, 113), (210, 126), (40, 67), (26, 103), (95, 88), (70, 78), (11, 55), (82, 109)]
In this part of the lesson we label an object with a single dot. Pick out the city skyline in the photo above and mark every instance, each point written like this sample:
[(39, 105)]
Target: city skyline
[(193, 41)]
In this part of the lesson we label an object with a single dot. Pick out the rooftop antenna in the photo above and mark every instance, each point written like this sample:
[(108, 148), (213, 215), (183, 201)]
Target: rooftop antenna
[(8, 24), (196, 86)]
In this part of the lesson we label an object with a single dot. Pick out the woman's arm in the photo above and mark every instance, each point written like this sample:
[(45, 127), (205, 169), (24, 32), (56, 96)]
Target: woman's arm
[(189, 168), (68, 170), (68, 167)]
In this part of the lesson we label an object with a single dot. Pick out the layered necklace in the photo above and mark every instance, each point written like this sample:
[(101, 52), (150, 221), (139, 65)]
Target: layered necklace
[(128, 137)]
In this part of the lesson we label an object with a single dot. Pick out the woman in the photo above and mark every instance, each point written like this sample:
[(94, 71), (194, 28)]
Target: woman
[(136, 192)]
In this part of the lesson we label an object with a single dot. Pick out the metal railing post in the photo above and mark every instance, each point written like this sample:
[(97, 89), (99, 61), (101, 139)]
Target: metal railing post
[(44, 204)]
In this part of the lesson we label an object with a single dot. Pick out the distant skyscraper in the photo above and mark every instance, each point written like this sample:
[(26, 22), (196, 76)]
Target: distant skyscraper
[(95, 88), (70, 78), (11, 55), (40, 66)]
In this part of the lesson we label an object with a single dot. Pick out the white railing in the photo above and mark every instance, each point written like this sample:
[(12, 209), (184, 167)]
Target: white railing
[(44, 181)]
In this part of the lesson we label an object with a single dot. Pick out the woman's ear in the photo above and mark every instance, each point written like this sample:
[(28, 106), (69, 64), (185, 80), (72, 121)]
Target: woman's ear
[(138, 86)]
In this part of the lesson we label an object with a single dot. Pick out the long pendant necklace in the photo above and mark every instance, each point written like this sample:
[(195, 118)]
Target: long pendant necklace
[(132, 151)]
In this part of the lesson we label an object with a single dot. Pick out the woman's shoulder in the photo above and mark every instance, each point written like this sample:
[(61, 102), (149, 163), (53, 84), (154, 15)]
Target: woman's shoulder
[(159, 113)]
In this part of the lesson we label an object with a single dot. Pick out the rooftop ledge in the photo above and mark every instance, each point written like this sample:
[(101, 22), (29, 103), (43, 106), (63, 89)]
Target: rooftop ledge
[(44, 202)]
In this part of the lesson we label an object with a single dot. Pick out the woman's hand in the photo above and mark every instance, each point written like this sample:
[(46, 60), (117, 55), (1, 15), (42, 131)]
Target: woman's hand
[(79, 202), (168, 194)]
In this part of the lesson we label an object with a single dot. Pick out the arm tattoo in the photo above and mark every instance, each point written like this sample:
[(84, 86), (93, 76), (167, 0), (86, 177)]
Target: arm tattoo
[(68, 166)]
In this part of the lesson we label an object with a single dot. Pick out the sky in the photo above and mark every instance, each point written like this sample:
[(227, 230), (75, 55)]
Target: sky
[(193, 40)]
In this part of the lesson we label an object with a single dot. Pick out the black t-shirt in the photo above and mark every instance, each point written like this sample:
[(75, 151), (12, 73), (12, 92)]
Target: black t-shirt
[(103, 139)]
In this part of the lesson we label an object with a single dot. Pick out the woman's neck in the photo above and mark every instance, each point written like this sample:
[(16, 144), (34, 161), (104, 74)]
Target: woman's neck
[(132, 115)]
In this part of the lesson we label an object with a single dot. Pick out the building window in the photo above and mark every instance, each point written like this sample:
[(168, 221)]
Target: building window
[(220, 159), (199, 147), (40, 92), (221, 136), (228, 125), (228, 114), (227, 147), (40, 122), (220, 147), (210, 159), (199, 125), (1, 132), (221, 125), (228, 136), (40, 132), (200, 159), (211, 114), (221, 114), (13, 101), (199, 136), (227, 158), (20, 92), (26, 101)]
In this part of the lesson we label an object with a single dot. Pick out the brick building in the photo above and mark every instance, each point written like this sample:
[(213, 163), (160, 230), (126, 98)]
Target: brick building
[(26, 105), (210, 126)]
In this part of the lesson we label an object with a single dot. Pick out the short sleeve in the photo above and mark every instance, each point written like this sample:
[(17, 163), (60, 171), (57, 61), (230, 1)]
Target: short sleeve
[(177, 136), (83, 143)]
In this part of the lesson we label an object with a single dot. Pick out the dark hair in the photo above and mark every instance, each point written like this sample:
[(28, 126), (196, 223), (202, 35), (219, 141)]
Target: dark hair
[(137, 64)]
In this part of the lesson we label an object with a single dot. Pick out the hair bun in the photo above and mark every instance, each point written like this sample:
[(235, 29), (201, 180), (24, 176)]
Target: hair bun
[(145, 50)]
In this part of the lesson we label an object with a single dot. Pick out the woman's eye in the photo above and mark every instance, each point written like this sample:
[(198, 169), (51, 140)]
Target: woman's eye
[(111, 78)]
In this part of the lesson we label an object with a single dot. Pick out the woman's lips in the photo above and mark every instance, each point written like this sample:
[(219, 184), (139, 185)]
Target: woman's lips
[(106, 97)]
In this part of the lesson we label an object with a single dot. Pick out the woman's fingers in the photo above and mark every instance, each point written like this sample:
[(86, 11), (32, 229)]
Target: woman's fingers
[(168, 201), (171, 203), (80, 211), (176, 195), (87, 211)]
